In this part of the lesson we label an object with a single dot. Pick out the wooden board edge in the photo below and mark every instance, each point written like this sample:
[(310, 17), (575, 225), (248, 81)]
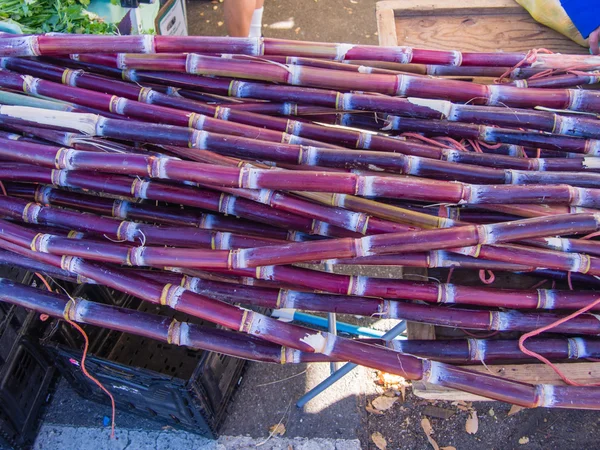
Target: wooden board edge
[(430, 391), (424, 7), (418, 330), (582, 372), (386, 27)]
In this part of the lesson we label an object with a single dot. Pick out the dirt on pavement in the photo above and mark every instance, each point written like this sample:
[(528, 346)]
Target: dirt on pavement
[(350, 21)]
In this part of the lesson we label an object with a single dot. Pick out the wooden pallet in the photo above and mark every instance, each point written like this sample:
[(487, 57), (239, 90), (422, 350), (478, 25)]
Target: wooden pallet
[(474, 25), (581, 372), (467, 25)]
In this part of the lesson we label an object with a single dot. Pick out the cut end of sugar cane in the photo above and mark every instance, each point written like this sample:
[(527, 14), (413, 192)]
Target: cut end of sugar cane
[(444, 107), (82, 122), (317, 341)]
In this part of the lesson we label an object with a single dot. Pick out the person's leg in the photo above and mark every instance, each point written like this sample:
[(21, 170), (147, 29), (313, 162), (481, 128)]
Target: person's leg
[(238, 16), (256, 23), (593, 41)]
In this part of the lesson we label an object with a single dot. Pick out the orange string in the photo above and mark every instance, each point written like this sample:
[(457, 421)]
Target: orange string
[(529, 58), (476, 146), (591, 235), (91, 377), (490, 146), (480, 336), (537, 285), (3, 189), (543, 74), (568, 70), (569, 282), (425, 139), (489, 280), (582, 74), (438, 141), (549, 327), (449, 275), (83, 357), (43, 281), (453, 143), (43, 317)]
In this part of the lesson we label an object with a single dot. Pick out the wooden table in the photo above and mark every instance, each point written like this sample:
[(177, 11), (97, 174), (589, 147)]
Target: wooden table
[(467, 25)]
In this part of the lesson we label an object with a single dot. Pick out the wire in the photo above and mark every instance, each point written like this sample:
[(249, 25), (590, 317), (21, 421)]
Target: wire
[(85, 351), (87, 374)]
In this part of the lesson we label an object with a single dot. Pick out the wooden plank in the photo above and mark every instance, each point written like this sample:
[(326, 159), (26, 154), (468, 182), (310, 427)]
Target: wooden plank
[(386, 27), (471, 25), (433, 392), (440, 7), (417, 330), (582, 372)]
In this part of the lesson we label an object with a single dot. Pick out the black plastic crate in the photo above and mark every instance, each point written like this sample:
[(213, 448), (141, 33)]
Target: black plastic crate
[(25, 373), (14, 320), (4, 445), (7, 433), (25, 381), (180, 387)]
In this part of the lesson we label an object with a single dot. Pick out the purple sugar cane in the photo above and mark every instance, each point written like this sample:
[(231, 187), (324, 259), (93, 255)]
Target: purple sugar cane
[(179, 194), (377, 357), (467, 351), (396, 163), (127, 210), (395, 85), (52, 45), (113, 229), (118, 253), (392, 187)]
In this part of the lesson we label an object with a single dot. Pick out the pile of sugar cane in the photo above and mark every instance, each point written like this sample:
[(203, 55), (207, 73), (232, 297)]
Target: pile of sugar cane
[(198, 172)]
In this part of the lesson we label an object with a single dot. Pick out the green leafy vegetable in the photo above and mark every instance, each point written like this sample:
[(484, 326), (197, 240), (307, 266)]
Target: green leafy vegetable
[(60, 16)]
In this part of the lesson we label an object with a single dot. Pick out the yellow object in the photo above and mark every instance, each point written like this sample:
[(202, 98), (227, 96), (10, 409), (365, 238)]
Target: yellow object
[(552, 14)]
